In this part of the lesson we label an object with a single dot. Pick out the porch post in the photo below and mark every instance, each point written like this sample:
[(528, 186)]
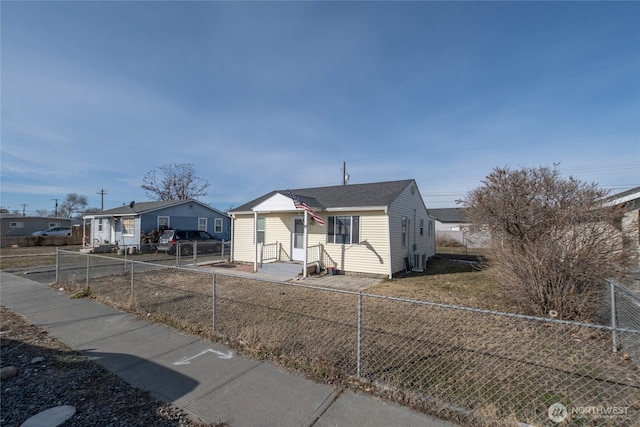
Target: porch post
[(255, 241), (306, 235)]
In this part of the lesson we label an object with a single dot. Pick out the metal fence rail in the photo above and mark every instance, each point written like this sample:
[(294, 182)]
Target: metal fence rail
[(474, 366)]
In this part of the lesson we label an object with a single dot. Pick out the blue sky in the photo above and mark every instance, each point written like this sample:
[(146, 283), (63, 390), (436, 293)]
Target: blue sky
[(273, 95)]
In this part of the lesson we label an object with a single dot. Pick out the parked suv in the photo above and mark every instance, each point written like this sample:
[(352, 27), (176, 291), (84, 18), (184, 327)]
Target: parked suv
[(184, 239)]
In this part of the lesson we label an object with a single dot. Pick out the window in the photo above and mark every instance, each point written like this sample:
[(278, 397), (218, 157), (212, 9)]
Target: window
[(163, 223), (100, 224), (16, 225), (202, 224), (217, 225), (422, 227), (403, 230), (343, 230), (430, 227), (128, 226), (261, 228)]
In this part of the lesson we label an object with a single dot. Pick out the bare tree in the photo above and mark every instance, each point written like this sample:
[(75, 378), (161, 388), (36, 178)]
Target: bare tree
[(176, 182), (72, 203), (554, 240)]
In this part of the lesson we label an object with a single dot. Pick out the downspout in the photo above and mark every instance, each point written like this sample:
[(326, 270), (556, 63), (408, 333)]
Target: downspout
[(255, 241), (386, 212)]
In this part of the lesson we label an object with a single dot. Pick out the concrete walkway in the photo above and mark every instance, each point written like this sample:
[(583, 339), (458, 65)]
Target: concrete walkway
[(204, 378)]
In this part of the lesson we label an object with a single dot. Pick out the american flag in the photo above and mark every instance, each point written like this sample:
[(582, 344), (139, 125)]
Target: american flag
[(299, 204)]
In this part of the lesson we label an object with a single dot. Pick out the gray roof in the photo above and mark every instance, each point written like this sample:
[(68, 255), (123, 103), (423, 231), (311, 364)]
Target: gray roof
[(376, 194), (449, 214), (145, 207)]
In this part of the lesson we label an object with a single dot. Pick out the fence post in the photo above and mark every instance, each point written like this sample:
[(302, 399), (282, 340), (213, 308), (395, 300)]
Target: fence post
[(195, 253), (359, 351), (132, 287), (614, 333), (87, 278), (57, 262), (213, 303)]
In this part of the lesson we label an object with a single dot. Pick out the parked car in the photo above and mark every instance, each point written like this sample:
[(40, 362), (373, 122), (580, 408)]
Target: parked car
[(54, 231), (170, 240)]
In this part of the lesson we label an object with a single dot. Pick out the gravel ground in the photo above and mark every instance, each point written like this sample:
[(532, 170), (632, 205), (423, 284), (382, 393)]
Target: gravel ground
[(49, 374)]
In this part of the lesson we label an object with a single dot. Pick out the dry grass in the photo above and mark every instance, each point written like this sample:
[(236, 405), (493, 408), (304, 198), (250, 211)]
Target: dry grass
[(22, 257), (473, 367), (447, 281)]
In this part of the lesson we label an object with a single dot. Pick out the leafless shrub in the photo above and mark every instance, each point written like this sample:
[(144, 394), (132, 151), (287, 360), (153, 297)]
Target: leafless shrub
[(554, 240)]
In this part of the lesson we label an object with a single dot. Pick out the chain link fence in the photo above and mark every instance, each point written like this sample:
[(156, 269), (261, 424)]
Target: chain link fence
[(624, 310), (475, 367), (197, 253)]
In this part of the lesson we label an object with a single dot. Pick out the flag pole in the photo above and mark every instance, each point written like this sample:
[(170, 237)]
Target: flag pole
[(306, 235)]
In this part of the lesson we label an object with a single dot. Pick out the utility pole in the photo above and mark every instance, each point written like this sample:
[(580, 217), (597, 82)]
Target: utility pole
[(102, 193), (345, 175), (56, 211), (23, 209)]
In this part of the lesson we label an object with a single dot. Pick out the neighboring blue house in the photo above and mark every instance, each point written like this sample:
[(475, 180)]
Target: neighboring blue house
[(124, 225)]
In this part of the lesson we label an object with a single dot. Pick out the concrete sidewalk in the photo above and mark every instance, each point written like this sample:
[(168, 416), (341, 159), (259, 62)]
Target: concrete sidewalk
[(206, 379)]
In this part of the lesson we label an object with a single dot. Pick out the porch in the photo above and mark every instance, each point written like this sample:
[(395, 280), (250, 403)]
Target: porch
[(273, 258)]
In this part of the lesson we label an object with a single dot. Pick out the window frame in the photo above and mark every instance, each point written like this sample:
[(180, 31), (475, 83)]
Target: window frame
[(261, 233), (218, 225), (203, 221), (128, 231), (404, 230), (353, 228), (160, 219)]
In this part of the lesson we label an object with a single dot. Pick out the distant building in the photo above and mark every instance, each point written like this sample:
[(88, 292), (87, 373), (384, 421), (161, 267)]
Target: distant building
[(16, 225)]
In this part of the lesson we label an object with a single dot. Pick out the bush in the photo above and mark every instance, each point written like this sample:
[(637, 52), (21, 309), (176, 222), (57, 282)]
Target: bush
[(554, 240)]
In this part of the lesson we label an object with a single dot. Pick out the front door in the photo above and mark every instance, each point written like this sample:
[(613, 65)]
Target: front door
[(297, 240)]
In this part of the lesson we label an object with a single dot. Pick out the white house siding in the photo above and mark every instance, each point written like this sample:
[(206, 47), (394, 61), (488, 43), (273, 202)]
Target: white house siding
[(278, 229), (101, 236), (243, 230), (411, 206), (371, 255)]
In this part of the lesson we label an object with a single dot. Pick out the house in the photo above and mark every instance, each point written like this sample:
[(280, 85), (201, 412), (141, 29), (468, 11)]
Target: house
[(17, 225), (630, 224), (377, 229), (125, 225), (452, 226), (449, 219)]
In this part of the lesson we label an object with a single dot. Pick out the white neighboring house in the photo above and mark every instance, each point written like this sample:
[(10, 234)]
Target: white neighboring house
[(377, 229), (630, 224), (451, 224)]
